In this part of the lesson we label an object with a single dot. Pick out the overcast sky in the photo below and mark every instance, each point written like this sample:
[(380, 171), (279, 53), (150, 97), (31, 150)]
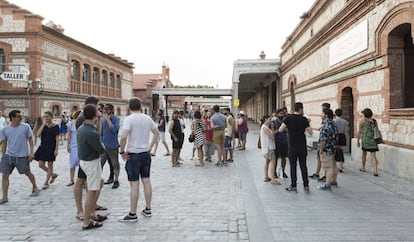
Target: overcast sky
[(199, 40)]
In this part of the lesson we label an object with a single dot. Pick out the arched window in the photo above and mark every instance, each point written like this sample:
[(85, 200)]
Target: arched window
[(104, 78), (401, 59), (86, 75), (2, 61), (111, 80), (75, 70), (118, 82), (56, 110), (96, 76)]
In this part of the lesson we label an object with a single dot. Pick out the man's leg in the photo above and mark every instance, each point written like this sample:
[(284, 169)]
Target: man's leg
[(77, 192), (293, 163), (303, 168), (5, 186), (32, 180), (89, 207), (146, 182), (134, 195)]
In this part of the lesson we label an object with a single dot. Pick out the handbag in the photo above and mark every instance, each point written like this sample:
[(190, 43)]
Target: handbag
[(191, 138), (259, 143), (339, 155), (377, 133)]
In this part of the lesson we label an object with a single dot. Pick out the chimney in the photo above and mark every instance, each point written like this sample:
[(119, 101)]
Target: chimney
[(262, 55), (163, 74)]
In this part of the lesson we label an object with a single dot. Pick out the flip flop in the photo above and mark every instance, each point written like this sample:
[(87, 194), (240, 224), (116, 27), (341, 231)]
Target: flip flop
[(92, 225), (100, 208), (100, 218), (80, 217), (70, 184), (361, 170), (53, 178)]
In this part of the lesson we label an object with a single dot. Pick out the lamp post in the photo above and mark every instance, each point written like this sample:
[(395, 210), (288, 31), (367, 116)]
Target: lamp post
[(29, 87)]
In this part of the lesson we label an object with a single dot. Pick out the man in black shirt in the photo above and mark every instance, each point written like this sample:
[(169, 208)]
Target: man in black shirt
[(297, 124)]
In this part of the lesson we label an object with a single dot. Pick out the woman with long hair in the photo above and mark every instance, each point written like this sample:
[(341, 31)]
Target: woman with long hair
[(48, 149), (366, 134), (267, 140), (72, 147)]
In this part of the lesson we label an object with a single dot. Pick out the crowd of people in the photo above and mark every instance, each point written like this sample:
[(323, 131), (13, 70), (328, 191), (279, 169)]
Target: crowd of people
[(282, 135), (93, 140)]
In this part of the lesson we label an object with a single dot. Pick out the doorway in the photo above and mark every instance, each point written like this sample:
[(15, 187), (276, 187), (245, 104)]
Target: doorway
[(347, 106)]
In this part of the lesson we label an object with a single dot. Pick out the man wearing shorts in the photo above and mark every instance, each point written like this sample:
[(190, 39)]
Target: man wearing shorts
[(218, 124), (137, 129), (89, 150), (161, 129), (81, 181), (327, 148), (15, 152)]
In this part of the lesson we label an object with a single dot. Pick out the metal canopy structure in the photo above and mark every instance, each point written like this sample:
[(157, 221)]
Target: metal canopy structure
[(192, 92)]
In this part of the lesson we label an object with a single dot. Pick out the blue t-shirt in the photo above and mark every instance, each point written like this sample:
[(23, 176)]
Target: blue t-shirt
[(279, 137), (219, 120), (16, 138)]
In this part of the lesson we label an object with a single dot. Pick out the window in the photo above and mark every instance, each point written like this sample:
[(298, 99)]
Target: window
[(104, 78), (86, 77), (118, 82), (75, 70), (111, 80), (56, 110), (95, 76), (2, 61)]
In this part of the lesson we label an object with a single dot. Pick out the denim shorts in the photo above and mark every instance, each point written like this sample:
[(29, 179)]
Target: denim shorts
[(138, 165), (227, 142)]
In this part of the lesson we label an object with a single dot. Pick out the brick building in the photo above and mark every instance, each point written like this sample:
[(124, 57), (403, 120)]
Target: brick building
[(357, 54), (63, 71), (143, 84)]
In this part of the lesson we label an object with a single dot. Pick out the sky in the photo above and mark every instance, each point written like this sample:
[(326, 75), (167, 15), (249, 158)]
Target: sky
[(198, 40)]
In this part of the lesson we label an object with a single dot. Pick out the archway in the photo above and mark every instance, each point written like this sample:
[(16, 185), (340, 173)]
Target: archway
[(401, 60), (347, 106)]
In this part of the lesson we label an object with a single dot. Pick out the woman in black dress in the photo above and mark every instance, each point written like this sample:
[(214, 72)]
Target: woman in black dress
[(48, 149)]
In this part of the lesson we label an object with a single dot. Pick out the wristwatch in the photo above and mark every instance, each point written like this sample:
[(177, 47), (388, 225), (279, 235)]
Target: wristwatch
[(122, 152)]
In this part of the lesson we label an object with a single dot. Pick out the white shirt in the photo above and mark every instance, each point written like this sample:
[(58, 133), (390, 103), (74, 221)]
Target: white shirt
[(139, 127), (182, 123)]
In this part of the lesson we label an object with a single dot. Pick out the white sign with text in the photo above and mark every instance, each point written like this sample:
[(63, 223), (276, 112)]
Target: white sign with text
[(349, 44)]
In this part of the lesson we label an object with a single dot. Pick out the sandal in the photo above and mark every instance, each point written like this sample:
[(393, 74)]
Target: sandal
[(92, 225), (2, 201), (361, 170), (45, 187), (275, 182), (375, 174), (79, 217), (53, 178), (70, 184), (100, 208), (267, 179), (100, 218)]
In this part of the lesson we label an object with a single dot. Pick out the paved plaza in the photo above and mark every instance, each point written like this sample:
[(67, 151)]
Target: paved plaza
[(218, 204)]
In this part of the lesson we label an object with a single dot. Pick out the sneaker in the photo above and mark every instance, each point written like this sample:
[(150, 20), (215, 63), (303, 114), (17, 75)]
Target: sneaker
[(291, 189), (324, 188), (115, 185), (129, 219), (314, 176), (284, 175), (334, 183), (147, 212), (35, 192), (322, 179)]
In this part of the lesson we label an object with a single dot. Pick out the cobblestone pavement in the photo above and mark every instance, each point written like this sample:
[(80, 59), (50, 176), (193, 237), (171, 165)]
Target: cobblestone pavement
[(217, 203)]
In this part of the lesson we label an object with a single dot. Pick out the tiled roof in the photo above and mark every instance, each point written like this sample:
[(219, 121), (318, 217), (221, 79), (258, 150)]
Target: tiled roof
[(140, 81)]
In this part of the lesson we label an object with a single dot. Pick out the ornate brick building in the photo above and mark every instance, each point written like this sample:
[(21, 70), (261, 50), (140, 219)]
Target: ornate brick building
[(63, 71), (357, 54)]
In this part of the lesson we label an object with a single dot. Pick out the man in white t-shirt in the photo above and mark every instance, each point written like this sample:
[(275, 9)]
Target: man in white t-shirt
[(137, 128)]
